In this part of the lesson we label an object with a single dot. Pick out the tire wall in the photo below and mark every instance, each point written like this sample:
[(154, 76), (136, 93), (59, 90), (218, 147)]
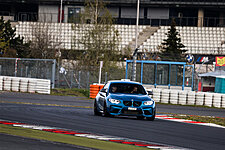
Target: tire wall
[(170, 96), (19, 84)]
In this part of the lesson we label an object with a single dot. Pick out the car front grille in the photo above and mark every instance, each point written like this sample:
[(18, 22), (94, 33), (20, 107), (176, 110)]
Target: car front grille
[(130, 103), (131, 112)]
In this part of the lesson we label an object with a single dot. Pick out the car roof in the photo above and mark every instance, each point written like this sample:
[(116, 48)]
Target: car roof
[(123, 81)]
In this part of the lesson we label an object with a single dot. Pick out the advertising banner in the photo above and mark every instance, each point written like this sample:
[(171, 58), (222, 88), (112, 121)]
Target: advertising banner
[(220, 61)]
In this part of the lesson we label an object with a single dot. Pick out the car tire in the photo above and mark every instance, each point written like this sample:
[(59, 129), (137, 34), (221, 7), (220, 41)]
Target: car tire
[(96, 112), (140, 117), (105, 112)]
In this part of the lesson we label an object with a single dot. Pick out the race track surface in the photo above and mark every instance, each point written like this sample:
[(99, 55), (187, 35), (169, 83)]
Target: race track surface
[(82, 119)]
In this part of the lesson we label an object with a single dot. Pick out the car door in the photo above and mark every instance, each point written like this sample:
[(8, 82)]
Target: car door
[(103, 95)]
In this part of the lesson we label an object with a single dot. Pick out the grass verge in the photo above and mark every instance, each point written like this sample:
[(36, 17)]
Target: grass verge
[(70, 92), (68, 139)]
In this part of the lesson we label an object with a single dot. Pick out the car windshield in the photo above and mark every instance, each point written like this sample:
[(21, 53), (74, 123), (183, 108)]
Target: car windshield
[(127, 88)]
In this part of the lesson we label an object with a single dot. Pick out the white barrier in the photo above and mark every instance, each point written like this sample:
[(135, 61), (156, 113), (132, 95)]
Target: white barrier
[(200, 98), (23, 84), (43, 86), (7, 83), (1, 83), (15, 84), (165, 96), (217, 100), (30, 85), (174, 96), (191, 98), (182, 97), (208, 99), (223, 101), (156, 94)]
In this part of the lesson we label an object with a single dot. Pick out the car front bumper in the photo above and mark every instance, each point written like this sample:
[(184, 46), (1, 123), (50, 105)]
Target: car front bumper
[(146, 111)]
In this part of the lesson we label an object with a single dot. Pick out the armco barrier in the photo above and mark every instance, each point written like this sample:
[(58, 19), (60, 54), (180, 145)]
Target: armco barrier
[(19, 84), (189, 97)]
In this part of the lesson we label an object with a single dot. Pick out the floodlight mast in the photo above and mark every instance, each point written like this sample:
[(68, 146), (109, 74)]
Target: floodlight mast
[(133, 78)]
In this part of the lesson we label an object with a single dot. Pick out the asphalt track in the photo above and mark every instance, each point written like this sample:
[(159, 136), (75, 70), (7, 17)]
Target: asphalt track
[(82, 119)]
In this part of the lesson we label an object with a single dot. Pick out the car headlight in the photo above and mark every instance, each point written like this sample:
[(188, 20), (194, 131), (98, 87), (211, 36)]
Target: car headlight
[(148, 103), (115, 101)]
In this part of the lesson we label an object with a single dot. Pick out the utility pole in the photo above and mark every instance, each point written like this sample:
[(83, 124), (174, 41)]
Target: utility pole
[(136, 45)]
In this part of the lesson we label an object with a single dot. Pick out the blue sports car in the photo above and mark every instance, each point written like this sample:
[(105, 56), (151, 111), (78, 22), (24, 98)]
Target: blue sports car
[(125, 98)]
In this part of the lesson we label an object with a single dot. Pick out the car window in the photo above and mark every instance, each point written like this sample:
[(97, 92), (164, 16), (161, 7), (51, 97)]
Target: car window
[(127, 88), (106, 86)]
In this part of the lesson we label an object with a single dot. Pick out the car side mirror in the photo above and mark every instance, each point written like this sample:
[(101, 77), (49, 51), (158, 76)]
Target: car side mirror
[(150, 93), (104, 90)]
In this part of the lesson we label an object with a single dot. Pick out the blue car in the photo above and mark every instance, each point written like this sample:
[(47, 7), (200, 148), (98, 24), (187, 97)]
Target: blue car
[(125, 98)]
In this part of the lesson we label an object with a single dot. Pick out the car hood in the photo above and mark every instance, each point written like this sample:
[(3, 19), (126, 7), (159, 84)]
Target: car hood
[(129, 97)]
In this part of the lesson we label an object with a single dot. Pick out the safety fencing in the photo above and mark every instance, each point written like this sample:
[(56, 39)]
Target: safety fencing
[(189, 98), (30, 85)]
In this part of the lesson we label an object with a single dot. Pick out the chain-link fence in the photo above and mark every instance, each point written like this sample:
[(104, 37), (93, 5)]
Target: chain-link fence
[(61, 77), (30, 68), (67, 77)]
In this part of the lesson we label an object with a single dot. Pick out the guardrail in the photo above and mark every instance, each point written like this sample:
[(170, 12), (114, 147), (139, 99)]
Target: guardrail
[(189, 98), (30, 85)]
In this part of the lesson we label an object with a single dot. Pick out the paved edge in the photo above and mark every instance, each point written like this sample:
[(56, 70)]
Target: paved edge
[(170, 118), (121, 140)]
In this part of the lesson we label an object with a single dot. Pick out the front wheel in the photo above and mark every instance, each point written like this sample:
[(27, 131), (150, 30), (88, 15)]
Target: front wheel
[(105, 112), (96, 112)]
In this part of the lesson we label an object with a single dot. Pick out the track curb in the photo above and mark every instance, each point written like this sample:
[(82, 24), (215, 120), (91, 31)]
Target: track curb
[(108, 138)]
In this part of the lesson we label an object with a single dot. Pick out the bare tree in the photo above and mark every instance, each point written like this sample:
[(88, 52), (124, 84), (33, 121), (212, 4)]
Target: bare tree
[(45, 41), (97, 39)]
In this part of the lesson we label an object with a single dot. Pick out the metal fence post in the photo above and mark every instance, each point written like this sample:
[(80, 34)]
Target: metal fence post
[(106, 76), (26, 71), (88, 76), (53, 73), (79, 80), (71, 79)]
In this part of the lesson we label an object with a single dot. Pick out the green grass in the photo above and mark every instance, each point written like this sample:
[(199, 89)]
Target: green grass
[(68, 139), (70, 92)]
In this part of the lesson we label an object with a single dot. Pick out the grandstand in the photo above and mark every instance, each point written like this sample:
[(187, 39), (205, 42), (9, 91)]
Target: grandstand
[(198, 40), (200, 23)]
